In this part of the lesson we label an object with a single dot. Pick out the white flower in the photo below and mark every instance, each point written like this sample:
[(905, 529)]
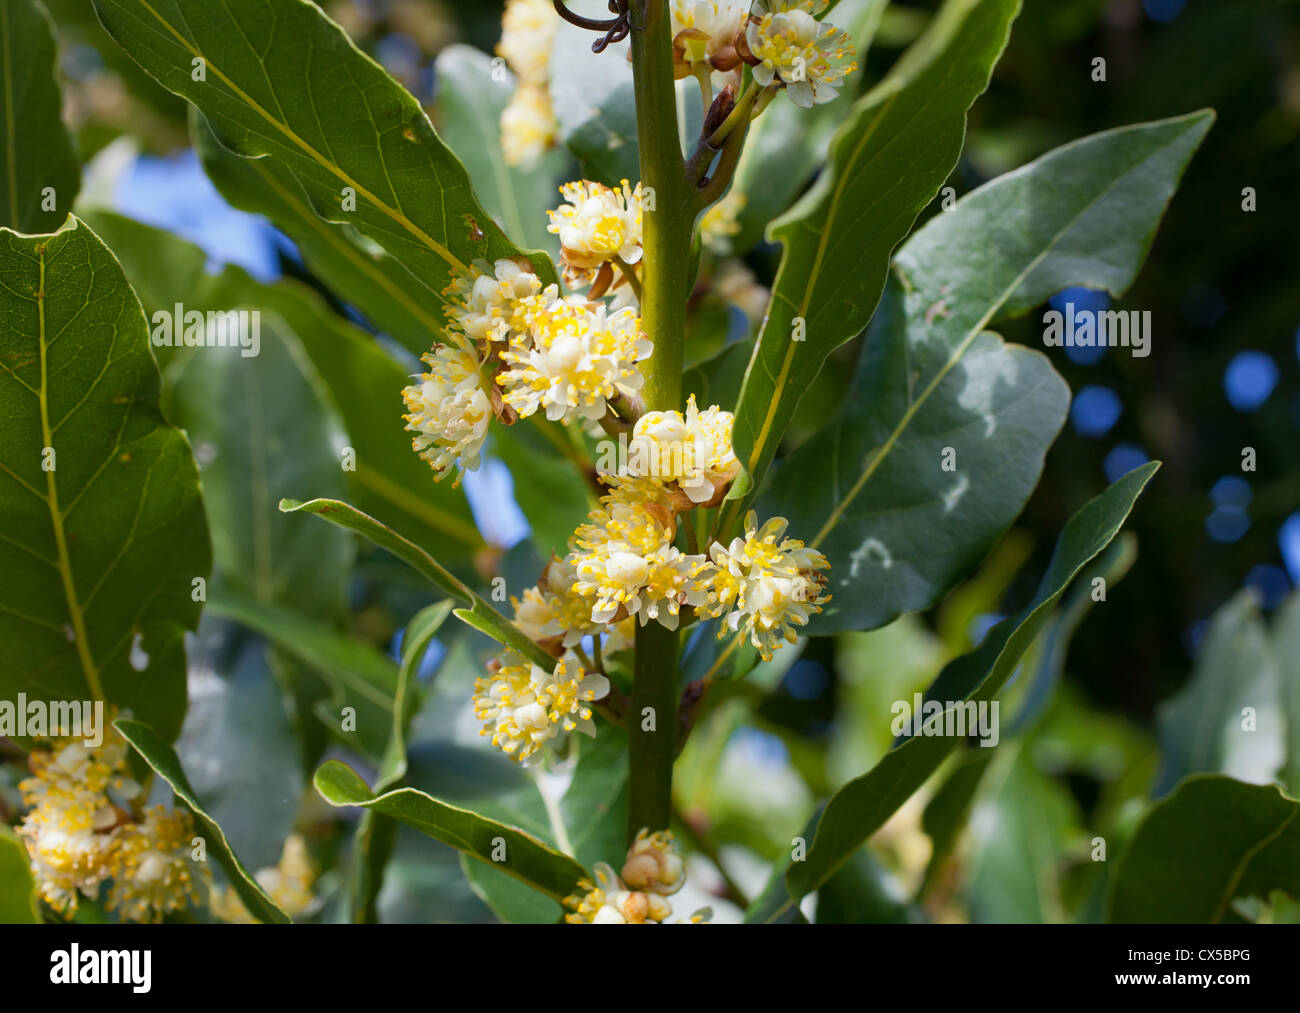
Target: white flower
[(694, 450), (793, 48), (523, 706), (527, 31), (596, 226), (578, 357), (494, 301), (706, 29), (528, 125), (69, 856), (153, 872), (533, 613), (449, 411), (626, 563), (771, 583)]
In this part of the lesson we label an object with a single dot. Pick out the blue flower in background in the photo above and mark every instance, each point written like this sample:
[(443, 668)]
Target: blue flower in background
[(175, 194), (1084, 301), (1249, 380), (1094, 411), (1123, 459)]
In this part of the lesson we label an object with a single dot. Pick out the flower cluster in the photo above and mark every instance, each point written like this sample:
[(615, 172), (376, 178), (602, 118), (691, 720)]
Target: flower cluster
[(653, 871), (693, 450), (80, 833), (600, 229), (766, 583), (626, 562), (556, 616), (518, 349), (624, 565), (288, 883), (528, 124), (523, 706), (790, 47), (576, 358), (448, 410)]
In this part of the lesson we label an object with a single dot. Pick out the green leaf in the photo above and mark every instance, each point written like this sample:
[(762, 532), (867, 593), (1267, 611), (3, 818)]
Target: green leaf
[(262, 428), (773, 905), (1212, 841), (1042, 680), (900, 531), (470, 99), (239, 748), (101, 549), (594, 807), (947, 811), (267, 68), (862, 806), (888, 158), (160, 756), (594, 102), (1023, 825), (40, 173), (359, 676), (18, 904), (509, 899), (372, 844), (525, 857), (864, 892), (1201, 727), (390, 480), (1286, 637)]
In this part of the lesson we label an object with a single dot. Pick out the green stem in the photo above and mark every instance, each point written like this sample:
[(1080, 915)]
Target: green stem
[(652, 719)]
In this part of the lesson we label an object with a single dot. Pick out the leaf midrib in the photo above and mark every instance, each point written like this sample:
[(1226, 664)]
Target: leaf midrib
[(75, 613)]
